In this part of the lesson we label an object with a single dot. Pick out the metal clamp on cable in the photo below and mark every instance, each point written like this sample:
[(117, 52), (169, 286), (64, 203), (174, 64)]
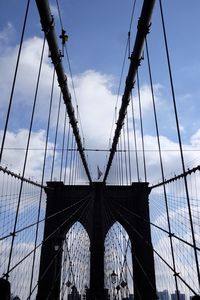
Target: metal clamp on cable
[(48, 27), (145, 29)]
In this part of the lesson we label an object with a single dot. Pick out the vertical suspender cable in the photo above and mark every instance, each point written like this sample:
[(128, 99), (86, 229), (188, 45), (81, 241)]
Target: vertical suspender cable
[(42, 182), (73, 163), (63, 144), (121, 160), (71, 158), (128, 143), (141, 127), (162, 168), (180, 142), (125, 156), (143, 29), (135, 140), (67, 153), (117, 166), (14, 81), (25, 162), (120, 171), (47, 22), (56, 134)]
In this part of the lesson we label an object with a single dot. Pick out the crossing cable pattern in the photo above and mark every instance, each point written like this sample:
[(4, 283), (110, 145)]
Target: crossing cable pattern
[(30, 224), (22, 199), (76, 262), (117, 259), (179, 221), (179, 140), (113, 209), (174, 207), (161, 235), (171, 272)]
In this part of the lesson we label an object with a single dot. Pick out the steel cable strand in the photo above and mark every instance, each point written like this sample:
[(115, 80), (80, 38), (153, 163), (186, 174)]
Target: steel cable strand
[(156, 226), (53, 232), (161, 165), (143, 30), (108, 220), (179, 137), (63, 144), (47, 218), (66, 158), (160, 256), (14, 79), (71, 158), (56, 135), (18, 176), (135, 139), (85, 217), (60, 249), (25, 158), (48, 27), (141, 127), (68, 250), (53, 215), (118, 213), (11, 269), (128, 143), (70, 69), (108, 211), (123, 64), (125, 156)]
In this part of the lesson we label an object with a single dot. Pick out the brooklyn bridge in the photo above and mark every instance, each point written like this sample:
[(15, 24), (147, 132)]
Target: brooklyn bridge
[(99, 189)]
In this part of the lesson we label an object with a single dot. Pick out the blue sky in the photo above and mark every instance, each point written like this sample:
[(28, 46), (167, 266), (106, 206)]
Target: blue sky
[(97, 39)]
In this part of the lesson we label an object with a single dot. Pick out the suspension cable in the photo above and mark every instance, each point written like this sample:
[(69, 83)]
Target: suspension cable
[(56, 135), (135, 140), (141, 127), (63, 144), (161, 165), (48, 27), (14, 80), (179, 138), (143, 29), (25, 159)]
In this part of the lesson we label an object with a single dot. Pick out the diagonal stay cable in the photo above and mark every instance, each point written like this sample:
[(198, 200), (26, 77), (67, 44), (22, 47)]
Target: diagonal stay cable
[(47, 238), (157, 253), (66, 220), (46, 218)]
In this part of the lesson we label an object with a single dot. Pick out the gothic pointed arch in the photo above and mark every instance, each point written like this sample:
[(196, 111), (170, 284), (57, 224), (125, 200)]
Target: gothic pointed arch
[(118, 266), (75, 270)]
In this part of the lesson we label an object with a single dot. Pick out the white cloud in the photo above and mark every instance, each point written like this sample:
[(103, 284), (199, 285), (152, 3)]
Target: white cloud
[(22, 248), (146, 99), (195, 139), (96, 105), (5, 35), (15, 158), (96, 101)]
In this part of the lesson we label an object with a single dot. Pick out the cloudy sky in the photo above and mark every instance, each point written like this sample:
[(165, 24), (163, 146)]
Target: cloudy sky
[(97, 40), (98, 32)]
